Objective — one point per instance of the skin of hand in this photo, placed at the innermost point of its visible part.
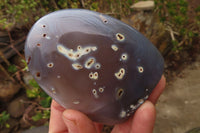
(72, 121)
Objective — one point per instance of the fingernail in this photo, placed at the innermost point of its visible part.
(70, 123)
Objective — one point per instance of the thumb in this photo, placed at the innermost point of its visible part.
(144, 118)
(77, 122)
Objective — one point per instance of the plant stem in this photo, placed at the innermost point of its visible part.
(4, 59)
(6, 73)
(13, 47)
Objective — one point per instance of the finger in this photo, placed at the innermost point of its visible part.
(157, 90)
(56, 124)
(123, 128)
(98, 126)
(144, 118)
(77, 122)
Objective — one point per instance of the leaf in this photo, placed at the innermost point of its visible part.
(46, 102)
(4, 116)
(7, 125)
(46, 114)
(197, 9)
(37, 117)
(43, 94)
(190, 34)
(33, 93)
(33, 83)
(12, 68)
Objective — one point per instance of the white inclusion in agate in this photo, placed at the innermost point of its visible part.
(97, 66)
(101, 89)
(94, 75)
(124, 57)
(120, 74)
(114, 47)
(76, 102)
(140, 69)
(89, 63)
(50, 65)
(77, 66)
(95, 93)
(53, 90)
(120, 37)
(122, 114)
(75, 55)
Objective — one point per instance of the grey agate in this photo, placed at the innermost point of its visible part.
(93, 63)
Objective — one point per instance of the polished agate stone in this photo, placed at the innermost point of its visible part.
(93, 63)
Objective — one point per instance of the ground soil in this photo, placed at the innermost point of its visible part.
(178, 108)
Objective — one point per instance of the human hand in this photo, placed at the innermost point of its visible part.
(72, 121)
